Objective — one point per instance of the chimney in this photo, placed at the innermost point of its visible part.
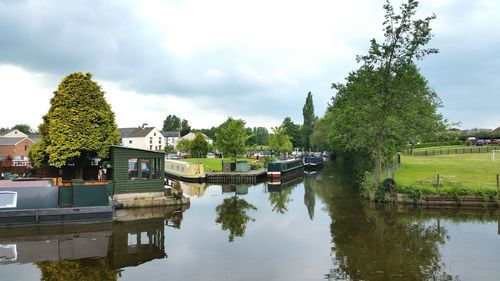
(144, 125)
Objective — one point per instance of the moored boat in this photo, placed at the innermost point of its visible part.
(185, 171)
(280, 168)
(313, 161)
(48, 201)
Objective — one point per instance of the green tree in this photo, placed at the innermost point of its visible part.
(169, 149)
(185, 128)
(251, 138)
(279, 141)
(261, 135)
(79, 125)
(199, 146)
(183, 145)
(280, 200)
(309, 119)
(231, 137)
(294, 131)
(319, 140)
(387, 101)
(171, 123)
(25, 128)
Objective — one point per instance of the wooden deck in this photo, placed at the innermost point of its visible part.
(235, 177)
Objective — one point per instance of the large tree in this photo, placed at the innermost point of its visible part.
(79, 125)
(387, 101)
(231, 137)
(309, 119)
(185, 128)
(171, 123)
(294, 132)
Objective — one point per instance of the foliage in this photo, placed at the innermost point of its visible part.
(185, 128)
(169, 149)
(387, 101)
(318, 140)
(280, 200)
(83, 269)
(232, 215)
(309, 119)
(171, 123)
(25, 128)
(294, 132)
(183, 145)
(199, 146)
(279, 141)
(231, 137)
(80, 124)
(261, 135)
(309, 197)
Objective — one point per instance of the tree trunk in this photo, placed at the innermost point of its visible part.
(80, 166)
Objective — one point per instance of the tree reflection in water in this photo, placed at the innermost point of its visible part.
(373, 242)
(90, 269)
(279, 200)
(232, 215)
(309, 197)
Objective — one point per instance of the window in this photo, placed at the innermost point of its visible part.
(154, 134)
(155, 165)
(145, 169)
(130, 141)
(26, 147)
(150, 147)
(8, 199)
(132, 168)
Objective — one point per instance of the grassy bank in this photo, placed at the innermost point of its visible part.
(214, 164)
(458, 173)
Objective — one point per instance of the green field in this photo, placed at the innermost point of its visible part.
(213, 164)
(465, 173)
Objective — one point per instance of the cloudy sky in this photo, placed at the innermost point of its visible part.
(255, 60)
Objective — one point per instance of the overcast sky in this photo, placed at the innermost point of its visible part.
(256, 60)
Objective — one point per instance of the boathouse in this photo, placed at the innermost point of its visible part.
(139, 178)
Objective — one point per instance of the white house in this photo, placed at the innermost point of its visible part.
(192, 135)
(15, 134)
(143, 137)
(172, 137)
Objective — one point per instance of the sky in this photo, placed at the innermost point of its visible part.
(256, 60)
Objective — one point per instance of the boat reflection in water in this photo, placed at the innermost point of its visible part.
(193, 189)
(91, 251)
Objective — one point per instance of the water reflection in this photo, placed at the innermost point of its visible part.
(373, 242)
(309, 196)
(280, 193)
(232, 213)
(94, 251)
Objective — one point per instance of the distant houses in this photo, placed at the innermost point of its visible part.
(191, 136)
(143, 137)
(15, 146)
(172, 137)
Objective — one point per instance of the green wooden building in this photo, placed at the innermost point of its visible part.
(137, 170)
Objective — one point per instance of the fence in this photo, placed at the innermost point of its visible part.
(462, 150)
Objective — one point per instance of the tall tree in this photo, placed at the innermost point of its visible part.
(279, 141)
(294, 131)
(79, 125)
(171, 123)
(183, 145)
(231, 136)
(261, 135)
(387, 101)
(199, 146)
(309, 119)
(185, 128)
(25, 128)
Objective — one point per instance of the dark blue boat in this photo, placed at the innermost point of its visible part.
(313, 161)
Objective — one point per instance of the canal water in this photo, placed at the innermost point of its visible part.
(312, 228)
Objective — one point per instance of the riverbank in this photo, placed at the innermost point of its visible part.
(445, 180)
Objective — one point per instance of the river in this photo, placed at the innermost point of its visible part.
(314, 228)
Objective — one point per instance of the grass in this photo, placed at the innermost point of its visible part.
(459, 174)
(214, 164)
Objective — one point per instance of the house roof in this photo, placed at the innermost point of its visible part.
(191, 136)
(138, 132)
(35, 137)
(496, 130)
(10, 141)
(171, 134)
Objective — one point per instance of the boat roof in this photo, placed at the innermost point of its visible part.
(30, 183)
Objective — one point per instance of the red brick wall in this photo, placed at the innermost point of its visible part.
(18, 150)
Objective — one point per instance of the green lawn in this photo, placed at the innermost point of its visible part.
(466, 173)
(213, 164)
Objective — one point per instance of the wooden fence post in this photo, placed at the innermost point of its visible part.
(498, 182)
(437, 181)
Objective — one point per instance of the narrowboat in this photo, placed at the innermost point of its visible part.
(313, 161)
(281, 168)
(54, 201)
(280, 185)
(185, 171)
